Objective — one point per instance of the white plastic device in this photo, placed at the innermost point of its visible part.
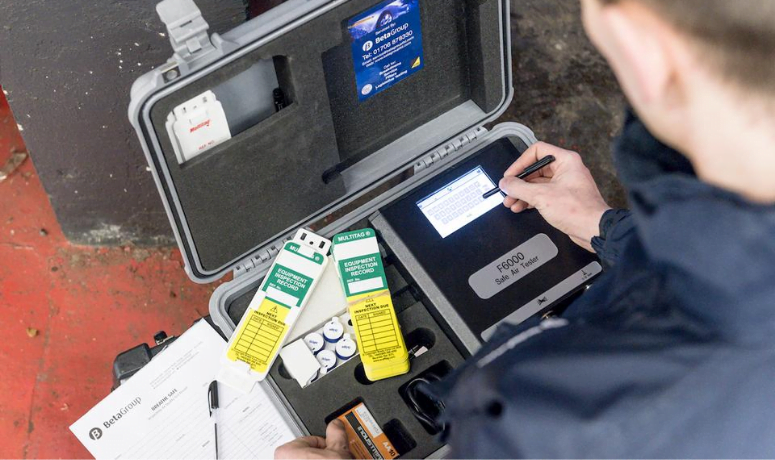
(197, 125)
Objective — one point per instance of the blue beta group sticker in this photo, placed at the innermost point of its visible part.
(386, 45)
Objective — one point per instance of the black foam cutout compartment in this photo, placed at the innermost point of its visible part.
(360, 375)
(401, 439)
(420, 338)
(325, 398)
(268, 178)
(433, 373)
(394, 429)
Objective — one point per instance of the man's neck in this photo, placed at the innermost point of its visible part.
(732, 146)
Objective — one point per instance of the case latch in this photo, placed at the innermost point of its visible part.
(187, 31)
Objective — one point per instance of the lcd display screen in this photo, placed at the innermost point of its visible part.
(460, 202)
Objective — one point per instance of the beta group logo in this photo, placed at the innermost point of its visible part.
(95, 433)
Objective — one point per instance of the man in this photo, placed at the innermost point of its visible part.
(672, 352)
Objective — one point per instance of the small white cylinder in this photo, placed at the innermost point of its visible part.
(333, 330)
(346, 348)
(327, 360)
(315, 342)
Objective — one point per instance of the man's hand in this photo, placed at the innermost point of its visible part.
(564, 193)
(334, 445)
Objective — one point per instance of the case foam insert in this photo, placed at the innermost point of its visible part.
(268, 178)
(317, 402)
(382, 398)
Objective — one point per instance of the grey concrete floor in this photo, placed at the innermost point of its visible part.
(564, 89)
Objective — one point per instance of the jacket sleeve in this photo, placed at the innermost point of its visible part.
(617, 226)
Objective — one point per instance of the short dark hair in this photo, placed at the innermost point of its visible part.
(737, 36)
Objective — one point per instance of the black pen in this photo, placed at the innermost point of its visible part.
(538, 165)
(212, 401)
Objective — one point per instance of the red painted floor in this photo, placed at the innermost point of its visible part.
(67, 311)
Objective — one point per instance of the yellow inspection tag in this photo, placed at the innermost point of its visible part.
(283, 293)
(260, 336)
(381, 344)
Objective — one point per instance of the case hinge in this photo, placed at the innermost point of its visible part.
(259, 259)
(448, 149)
(187, 31)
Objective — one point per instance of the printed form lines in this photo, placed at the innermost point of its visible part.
(259, 338)
(377, 331)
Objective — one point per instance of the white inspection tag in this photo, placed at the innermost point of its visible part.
(197, 125)
(264, 327)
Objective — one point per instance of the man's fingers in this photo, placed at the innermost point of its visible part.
(520, 190)
(316, 442)
(299, 448)
(519, 206)
(333, 446)
(336, 437)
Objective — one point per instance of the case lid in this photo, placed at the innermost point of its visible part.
(298, 113)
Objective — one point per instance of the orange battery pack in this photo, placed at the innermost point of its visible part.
(364, 435)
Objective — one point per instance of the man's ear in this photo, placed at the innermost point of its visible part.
(638, 49)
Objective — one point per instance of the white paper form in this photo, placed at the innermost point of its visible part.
(162, 412)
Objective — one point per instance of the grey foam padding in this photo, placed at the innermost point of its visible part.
(269, 177)
(382, 398)
(461, 48)
(249, 189)
(246, 108)
(486, 85)
(238, 305)
(333, 392)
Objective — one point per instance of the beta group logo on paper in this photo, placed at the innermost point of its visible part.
(386, 45)
(95, 433)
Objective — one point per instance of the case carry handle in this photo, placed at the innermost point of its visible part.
(187, 30)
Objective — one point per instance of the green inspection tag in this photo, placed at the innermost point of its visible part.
(273, 311)
(287, 286)
(362, 274)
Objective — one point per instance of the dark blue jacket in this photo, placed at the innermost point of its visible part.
(670, 354)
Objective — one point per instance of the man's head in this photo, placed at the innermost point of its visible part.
(687, 65)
